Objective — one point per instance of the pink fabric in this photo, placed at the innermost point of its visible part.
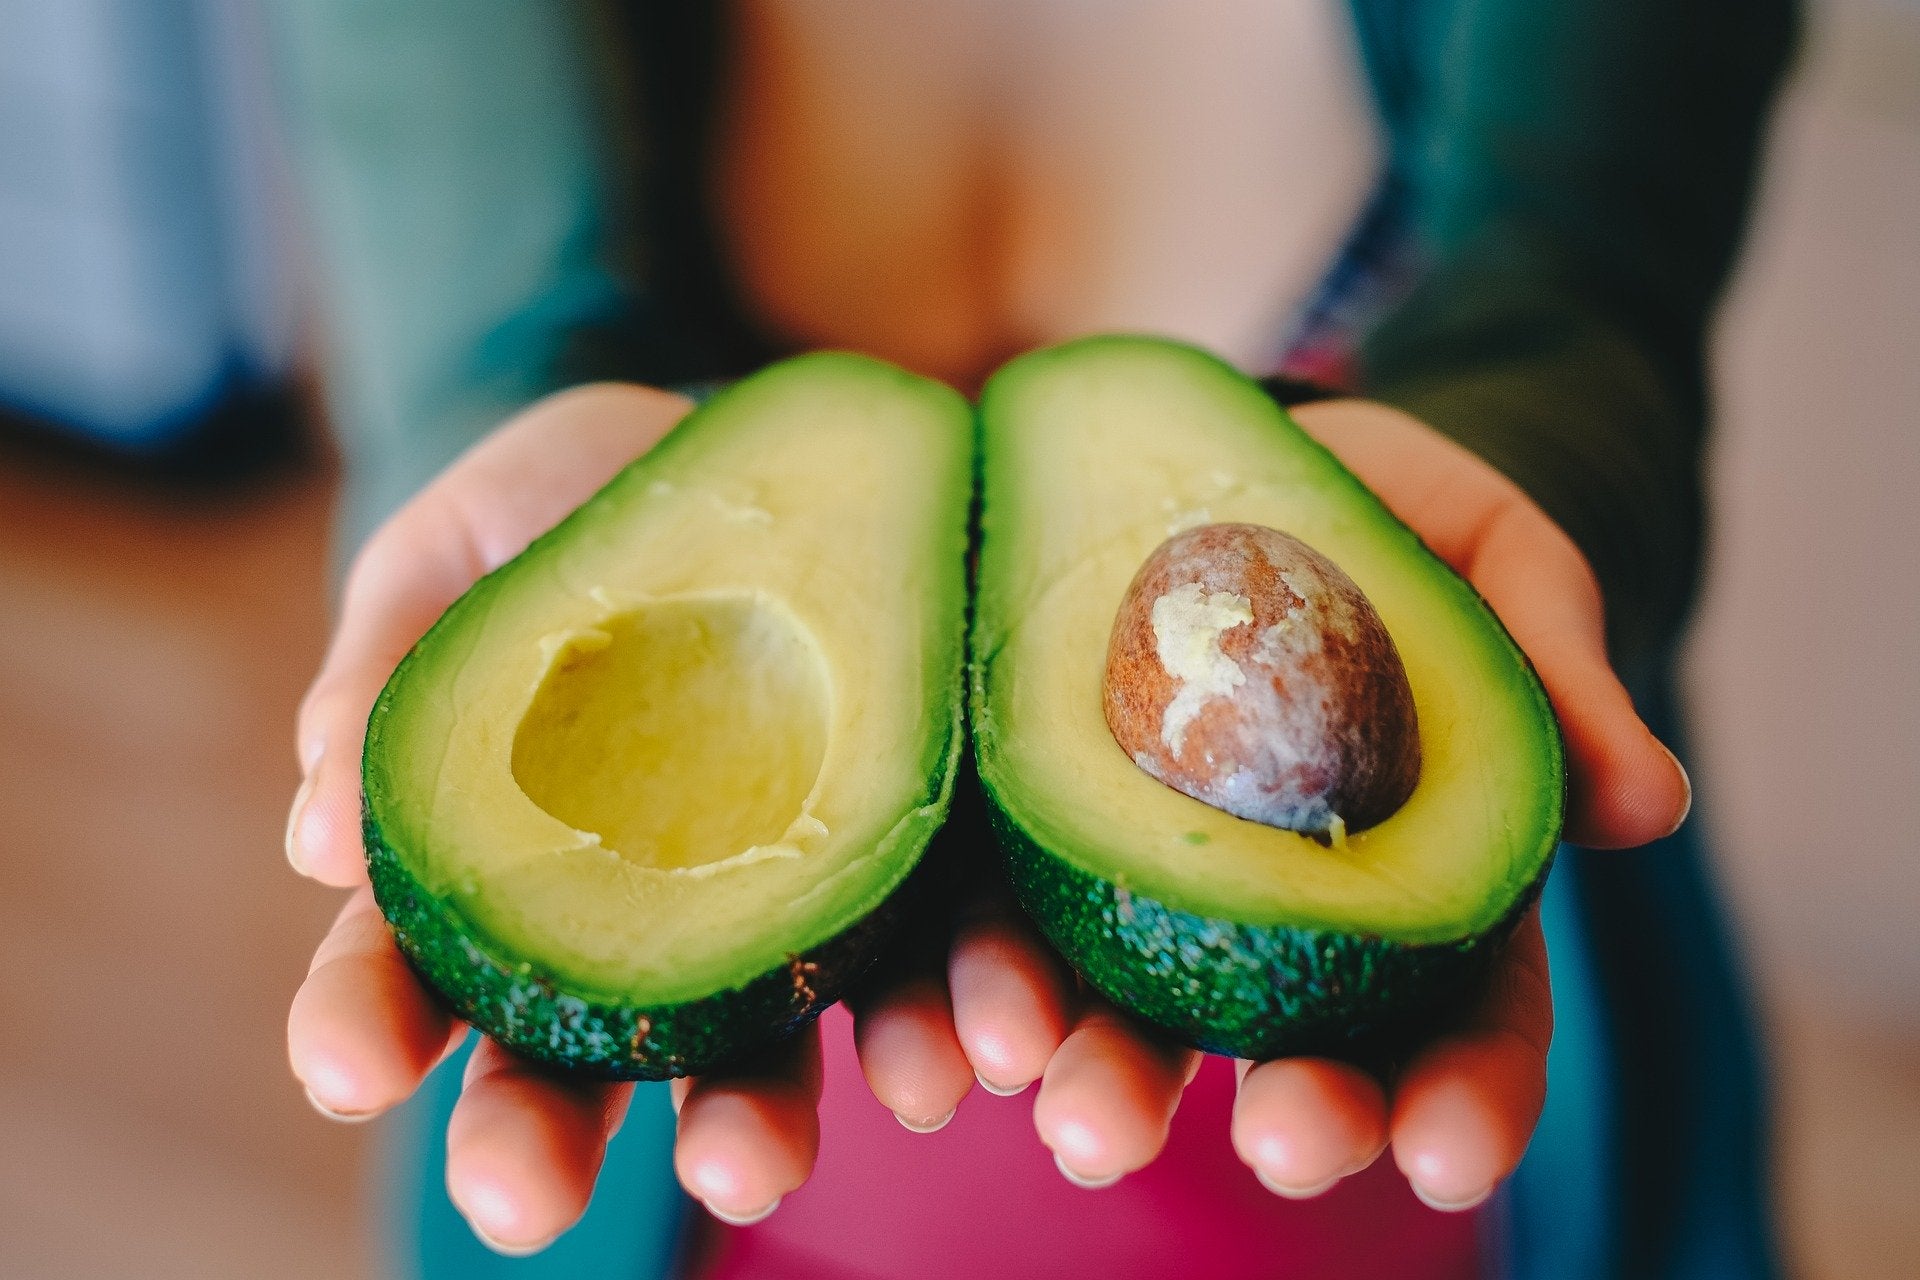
(982, 1200)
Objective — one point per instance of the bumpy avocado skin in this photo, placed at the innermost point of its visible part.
(509, 1000)
(1245, 990)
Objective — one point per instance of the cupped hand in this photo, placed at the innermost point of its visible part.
(524, 1147)
(1458, 1115)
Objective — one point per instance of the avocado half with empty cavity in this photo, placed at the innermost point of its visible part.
(1231, 935)
(642, 799)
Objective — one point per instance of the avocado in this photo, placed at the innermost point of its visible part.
(645, 797)
(1232, 935)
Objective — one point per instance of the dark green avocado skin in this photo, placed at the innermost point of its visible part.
(513, 1003)
(1243, 990)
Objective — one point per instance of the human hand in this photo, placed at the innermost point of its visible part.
(1459, 1113)
(524, 1146)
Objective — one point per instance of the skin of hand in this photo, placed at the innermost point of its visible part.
(524, 1148)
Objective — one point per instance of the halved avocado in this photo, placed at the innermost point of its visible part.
(641, 799)
(1232, 936)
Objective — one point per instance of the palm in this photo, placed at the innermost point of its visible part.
(524, 1148)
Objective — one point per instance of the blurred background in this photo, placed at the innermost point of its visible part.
(165, 503)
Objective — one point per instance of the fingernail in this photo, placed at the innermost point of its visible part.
(744, 1219)
(506, 1250)
(1293, 1192)
(300, 798)
(934, 1125)
(1081, 1179)
(620, 1105)
(341, 1117)
(1448, 1206)
(1686, 806)
(456, 1038)
(999, 1091)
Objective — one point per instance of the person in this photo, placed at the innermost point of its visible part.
(1519, 286)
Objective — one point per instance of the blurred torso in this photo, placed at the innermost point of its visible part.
(943, 182)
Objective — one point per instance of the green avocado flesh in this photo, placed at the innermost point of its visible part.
(1233, 936)
(640, 800)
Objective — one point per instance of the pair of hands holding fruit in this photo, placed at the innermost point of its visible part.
(524, 1146)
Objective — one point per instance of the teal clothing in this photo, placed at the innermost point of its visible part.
(1578, 172)
(505, 198)
(1575, 174)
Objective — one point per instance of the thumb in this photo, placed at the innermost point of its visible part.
(1624, 788)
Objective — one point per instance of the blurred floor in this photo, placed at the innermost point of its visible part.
(1848, 1097)
(1804, 671)
(150, 930)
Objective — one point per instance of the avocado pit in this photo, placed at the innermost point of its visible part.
(1248, 671)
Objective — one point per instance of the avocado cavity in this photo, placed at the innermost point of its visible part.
(635, 734)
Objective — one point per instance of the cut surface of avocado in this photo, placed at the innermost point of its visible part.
(1232, 934)
(636, 802)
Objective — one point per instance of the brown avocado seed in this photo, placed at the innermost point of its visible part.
(1248, 671)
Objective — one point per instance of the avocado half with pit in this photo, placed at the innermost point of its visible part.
(1233, 936)
(642, 799)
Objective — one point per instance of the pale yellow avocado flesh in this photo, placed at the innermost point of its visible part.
(709, 707)
(1097, 452)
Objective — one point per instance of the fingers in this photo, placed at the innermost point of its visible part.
(1012, 998)
(402, 580)
(362, 1032)
(479, 513)
(323, 838)
(1464, 1109)
(910, 1054)
(524, 1148)
(1108, 1097)
(749, 1135)
(1302, 1124)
